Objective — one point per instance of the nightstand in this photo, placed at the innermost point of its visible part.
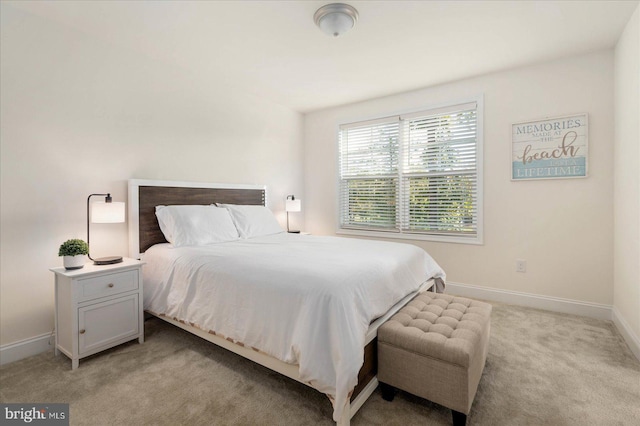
(97, 307)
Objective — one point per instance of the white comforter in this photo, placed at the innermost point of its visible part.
(305, 300)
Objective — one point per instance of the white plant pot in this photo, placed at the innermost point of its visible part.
(74, 262)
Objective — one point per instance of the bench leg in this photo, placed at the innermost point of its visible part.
(459, 419)
(388, 392)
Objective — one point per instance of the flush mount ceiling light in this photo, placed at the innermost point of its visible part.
(336, 18)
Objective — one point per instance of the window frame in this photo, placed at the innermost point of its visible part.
(478, 239)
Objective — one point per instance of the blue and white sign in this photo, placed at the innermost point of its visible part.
(550, 149)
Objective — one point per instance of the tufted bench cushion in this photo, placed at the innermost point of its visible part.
(435, 347)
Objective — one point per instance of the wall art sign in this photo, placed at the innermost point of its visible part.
(550, 149)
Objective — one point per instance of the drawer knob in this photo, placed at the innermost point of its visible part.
(83, 331)
(110, 285)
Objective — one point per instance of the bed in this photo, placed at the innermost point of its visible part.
(307, 307)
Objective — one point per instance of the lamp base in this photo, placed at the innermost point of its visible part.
(107, 260)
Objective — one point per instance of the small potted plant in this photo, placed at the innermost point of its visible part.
(74, 252)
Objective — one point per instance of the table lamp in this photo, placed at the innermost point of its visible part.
(105, 211)
(292, 205)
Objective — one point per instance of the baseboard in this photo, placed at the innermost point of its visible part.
(555, 304)
(25, 348)
(627, 333)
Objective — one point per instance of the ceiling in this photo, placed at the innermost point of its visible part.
(273, 49)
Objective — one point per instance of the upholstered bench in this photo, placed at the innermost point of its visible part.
(435, 347)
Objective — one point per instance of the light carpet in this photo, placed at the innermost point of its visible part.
(543, 368)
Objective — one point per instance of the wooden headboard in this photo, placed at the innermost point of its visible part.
(145, 195)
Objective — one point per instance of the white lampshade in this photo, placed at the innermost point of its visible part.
(293, 205)
(102, 212)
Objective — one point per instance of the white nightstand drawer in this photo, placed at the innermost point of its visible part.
(107, 285)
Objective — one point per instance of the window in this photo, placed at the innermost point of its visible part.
(414, 176)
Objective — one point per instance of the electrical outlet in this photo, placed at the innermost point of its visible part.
(521, 265)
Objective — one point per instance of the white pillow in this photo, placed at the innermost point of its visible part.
(195, 225)
(253, 221)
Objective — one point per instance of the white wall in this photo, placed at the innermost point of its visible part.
(626, 290)
(80, 116)
(562, 228)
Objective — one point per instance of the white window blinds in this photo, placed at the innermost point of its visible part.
(369, 161)
(415, 174)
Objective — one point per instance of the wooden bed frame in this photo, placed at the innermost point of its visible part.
(144, 232)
